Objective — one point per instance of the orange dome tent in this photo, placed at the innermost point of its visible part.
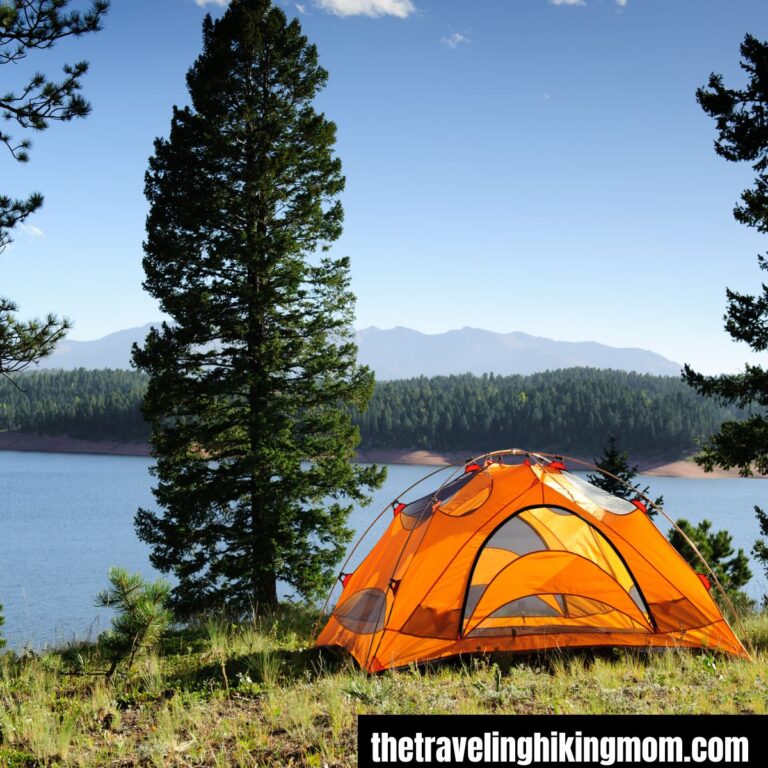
(520, 557)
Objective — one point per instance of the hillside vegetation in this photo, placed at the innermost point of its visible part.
(572, 410)
(93, 404)
(258, 694)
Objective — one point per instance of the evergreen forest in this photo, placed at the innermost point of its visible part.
(87, 404)
(569, 410)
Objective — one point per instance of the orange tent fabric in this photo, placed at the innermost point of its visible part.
(520, 558)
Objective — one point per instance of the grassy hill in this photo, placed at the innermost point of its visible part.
(258, 694)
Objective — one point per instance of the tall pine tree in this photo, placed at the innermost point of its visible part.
(740, 117)
(742, 128)
(253, 385)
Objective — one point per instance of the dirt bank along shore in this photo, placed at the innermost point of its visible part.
(657, 468)
(25, 441)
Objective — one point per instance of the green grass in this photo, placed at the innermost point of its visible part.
(250, 694)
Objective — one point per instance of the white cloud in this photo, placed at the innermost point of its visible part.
(400, 8)
(455, 40)
(31, 230)
(620, 3)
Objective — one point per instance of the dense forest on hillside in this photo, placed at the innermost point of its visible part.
(571, 410)
(100, 404)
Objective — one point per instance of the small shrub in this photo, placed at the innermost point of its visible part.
(142, 616)
(716, 547)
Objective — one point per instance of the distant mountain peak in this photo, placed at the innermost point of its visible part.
(401, 352)
(478, 351)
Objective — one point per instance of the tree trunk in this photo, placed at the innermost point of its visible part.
(263, 535)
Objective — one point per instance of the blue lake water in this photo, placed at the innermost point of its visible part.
(66, 518)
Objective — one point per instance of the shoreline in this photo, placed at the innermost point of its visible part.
(683, 467)
(680, 466)
(30, 442)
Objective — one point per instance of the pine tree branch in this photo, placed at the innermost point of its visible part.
(37, 25)
(27, 25)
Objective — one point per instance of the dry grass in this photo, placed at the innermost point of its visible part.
(256, 694)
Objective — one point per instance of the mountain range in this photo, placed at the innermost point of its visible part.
(400, 353)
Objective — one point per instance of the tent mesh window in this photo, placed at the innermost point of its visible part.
(584, 493)
(364, 612)
(458, 498)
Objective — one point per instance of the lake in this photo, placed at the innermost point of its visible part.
(66, 518)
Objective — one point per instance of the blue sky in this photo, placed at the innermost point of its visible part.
(516, 165)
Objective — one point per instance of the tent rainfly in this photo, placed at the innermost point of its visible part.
(520, 557)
